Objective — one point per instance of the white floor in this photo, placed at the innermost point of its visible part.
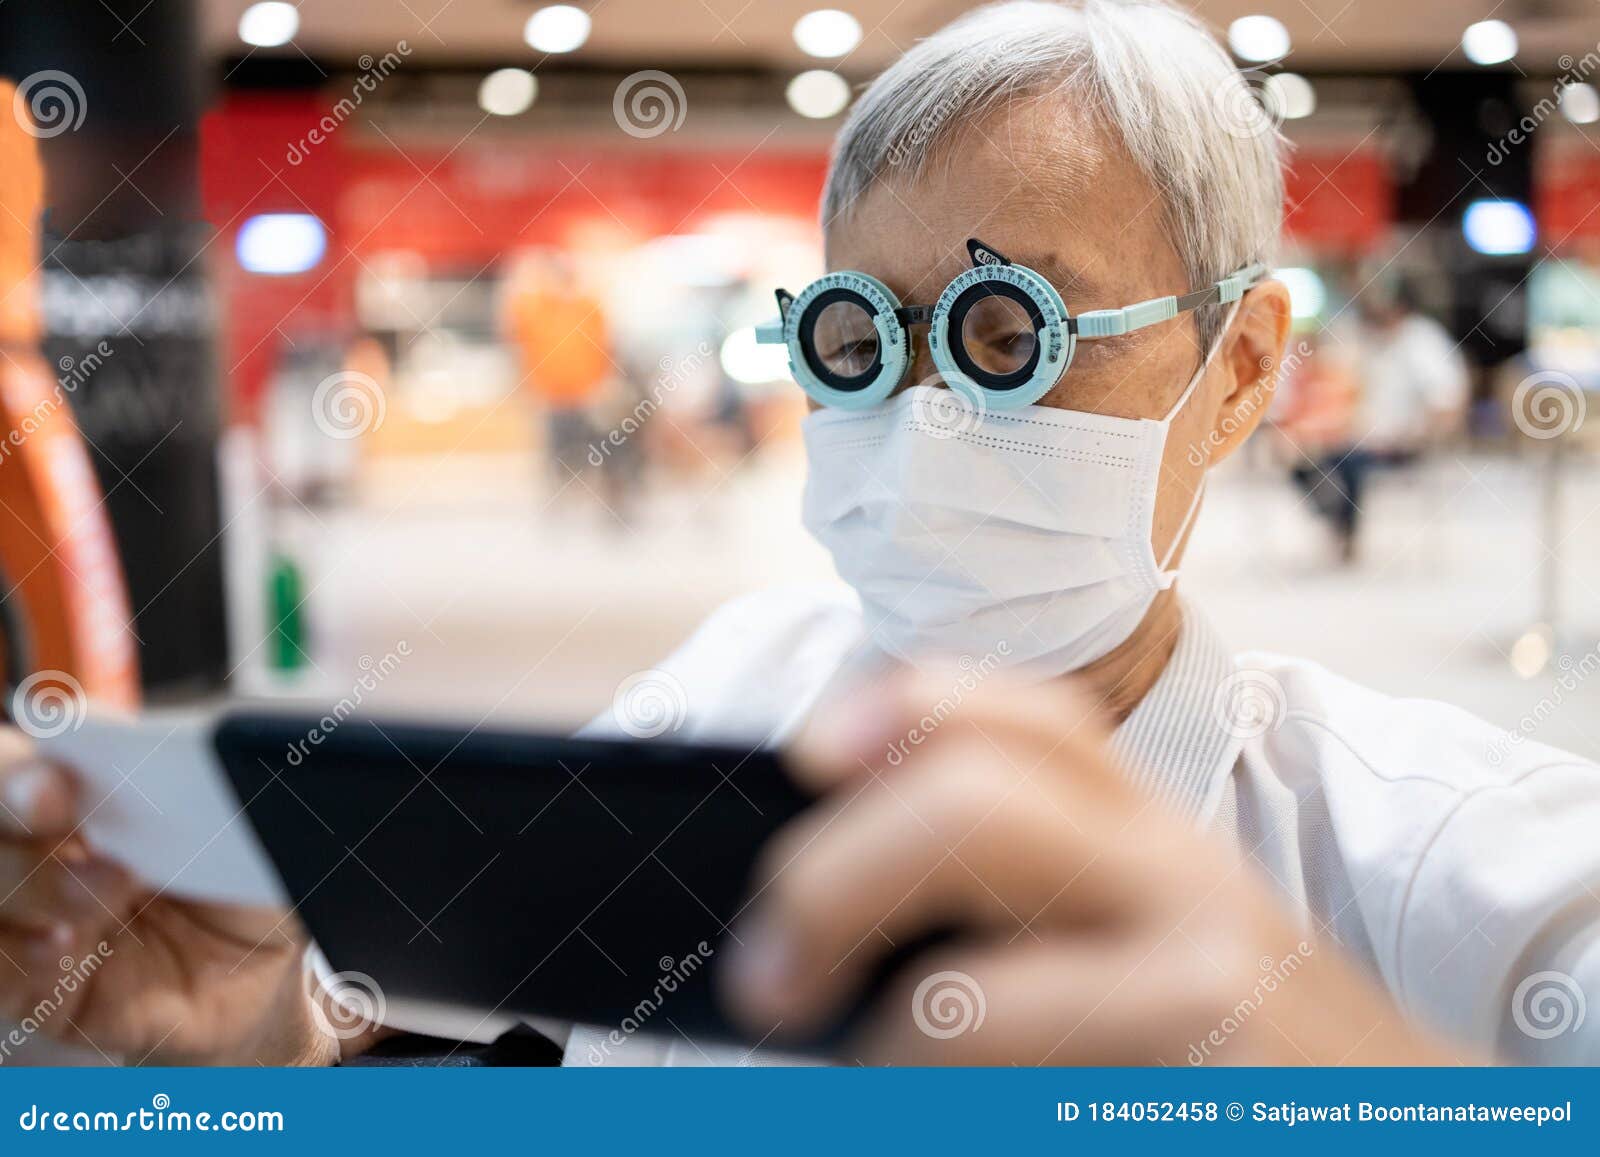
(522, 609)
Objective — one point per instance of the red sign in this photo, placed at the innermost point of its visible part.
(464, 207)
(1567, 200)
(1338, 200)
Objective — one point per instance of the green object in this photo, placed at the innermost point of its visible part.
(1563, 295)
(286, 632)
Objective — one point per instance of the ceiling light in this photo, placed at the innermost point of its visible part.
(1258, 38)
(269, 25)
(818, 94)
(1289, 95)
(1489, 42)
(558, 28)
(280, 243)
(1580, 103)
(1498, 227)
(507, 92)
(827, 33)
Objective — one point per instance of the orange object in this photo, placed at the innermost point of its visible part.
(561, 336)
(21, 194)
(63, 589)
(1323, 393)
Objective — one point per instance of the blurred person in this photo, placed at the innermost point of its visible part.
(562, 341)
(1414, 378)
(1414, 389)
(730, 402)
(1126, 824)
(621, 445)
(1318, 416)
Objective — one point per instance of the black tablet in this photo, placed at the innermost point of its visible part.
(510, 873)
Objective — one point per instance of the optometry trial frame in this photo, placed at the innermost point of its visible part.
(849, 336)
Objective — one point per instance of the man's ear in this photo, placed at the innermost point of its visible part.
(1252, 350)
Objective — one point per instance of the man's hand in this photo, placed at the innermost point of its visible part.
(90, 957)
(1095, 927)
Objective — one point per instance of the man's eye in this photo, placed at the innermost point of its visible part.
(1018, 344)
(851, 357)
(1001, 351)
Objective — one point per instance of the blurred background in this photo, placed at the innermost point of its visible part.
(408, 349)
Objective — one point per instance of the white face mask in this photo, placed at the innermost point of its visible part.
(1021, 536)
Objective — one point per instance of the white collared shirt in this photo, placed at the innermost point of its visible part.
(1458, 863)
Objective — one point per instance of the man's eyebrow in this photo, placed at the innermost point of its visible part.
(1067, 279)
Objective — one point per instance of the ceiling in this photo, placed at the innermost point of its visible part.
(727, 33)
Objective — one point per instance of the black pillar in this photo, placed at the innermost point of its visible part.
(116, 92)
(1475, 153)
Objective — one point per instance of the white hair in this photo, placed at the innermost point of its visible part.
(1152, 74)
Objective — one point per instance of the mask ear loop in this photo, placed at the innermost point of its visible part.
(1168, 577)
(1205, 365)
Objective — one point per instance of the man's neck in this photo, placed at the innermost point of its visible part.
(1123, 678)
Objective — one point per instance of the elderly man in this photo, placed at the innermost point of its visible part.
(1151, 851)
(1387, 853)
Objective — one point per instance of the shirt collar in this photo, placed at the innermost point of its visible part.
(1176, 743)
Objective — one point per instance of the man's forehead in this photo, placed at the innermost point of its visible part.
(1038, 181)
(917, 255)
(1045, 145)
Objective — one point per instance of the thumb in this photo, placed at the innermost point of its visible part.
(851, 731)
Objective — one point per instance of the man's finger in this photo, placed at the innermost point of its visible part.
(848, 733)
(887, 723)
(38, 800)
(1065, 1001)
(37, 889)
(957, 843)
(33, 964)
(1076, 1000)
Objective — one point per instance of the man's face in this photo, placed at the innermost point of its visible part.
(1044, 186)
